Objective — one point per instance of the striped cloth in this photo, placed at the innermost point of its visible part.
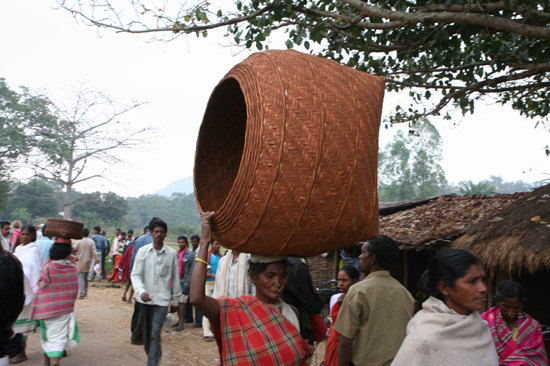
(58, 289)
(24, 323)
(252, 333)
(528, 347)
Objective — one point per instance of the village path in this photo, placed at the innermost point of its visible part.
(104, 326)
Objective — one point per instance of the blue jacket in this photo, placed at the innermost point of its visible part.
(101, 243)
(138, 243)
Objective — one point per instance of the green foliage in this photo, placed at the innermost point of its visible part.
(469, 188)
(22, 214)
(408, 167)
(179, 210)
(510, 187)
(36, 197)
(177, 230)
(5, 192)
(97, 207)
(21, 116)
(449, 53)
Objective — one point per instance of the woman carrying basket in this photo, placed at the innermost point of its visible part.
(261, 330)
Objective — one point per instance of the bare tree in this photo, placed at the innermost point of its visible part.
(88, 128)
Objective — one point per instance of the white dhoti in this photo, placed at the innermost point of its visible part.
(58, 334)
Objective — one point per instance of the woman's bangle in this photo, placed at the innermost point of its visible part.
(201, 260)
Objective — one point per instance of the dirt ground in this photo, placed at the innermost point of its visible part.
(104, 325)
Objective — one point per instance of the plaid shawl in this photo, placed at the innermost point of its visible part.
(58, 289)
(251, 333)
(528, 349)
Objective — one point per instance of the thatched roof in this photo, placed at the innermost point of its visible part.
(441, 220)
(515, 239)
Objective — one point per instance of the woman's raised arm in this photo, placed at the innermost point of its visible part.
(207, 305)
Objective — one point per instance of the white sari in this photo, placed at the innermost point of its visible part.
(437, 335)
(30, 256)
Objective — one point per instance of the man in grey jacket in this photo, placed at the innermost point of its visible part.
(186, 262)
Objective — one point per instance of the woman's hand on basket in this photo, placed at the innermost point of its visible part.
(205, 227)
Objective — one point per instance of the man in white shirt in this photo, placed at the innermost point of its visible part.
(155, 278)
(5, 227)
(232, 279)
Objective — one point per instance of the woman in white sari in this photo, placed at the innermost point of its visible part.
(30, 255)
(449, 330)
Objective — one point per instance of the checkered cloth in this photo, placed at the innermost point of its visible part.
(252, 333)
(58, 289)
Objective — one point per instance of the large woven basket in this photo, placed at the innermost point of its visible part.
(64, 229)
(287, 155)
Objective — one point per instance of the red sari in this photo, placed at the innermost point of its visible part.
(252, 333)
(526, 349)
(332, 339)
(125, 264)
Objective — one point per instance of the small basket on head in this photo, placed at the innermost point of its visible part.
(65, 229)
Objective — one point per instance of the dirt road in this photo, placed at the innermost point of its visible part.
(104, 326)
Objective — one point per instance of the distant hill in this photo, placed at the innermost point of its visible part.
(183, 185)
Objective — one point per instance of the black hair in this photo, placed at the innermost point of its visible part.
(98, 229)
(60, 251)
(85, 232)
(195, 237)
(31, 229)
(184, 237)
(385, 249)
(118, 230)
(447, 266)
(255, 269)
(12, 293)
(351, 271)
(156, 222)
(130, 231)
(123, 233)
(145, 229)
(4, 223)
(44, 229)
(508, 289)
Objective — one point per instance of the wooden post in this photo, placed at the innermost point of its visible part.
(335, 264)
(405, 269)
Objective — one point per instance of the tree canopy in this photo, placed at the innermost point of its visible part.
(409, 166)
(445, 53)
(100, 207)
(36, 197)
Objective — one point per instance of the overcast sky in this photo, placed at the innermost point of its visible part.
(46, 49)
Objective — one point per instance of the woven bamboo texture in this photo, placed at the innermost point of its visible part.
(287, 155)
(64, 229)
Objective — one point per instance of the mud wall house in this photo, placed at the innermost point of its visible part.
(514, 243)
(423, 228)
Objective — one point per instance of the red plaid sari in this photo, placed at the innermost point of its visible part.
(527, 349)
(251, 333)
(58, 289)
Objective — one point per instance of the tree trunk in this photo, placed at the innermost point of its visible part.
(69, 185)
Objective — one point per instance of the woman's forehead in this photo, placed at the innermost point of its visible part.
(276, 267)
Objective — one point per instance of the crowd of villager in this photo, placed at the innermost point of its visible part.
(261, 310)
